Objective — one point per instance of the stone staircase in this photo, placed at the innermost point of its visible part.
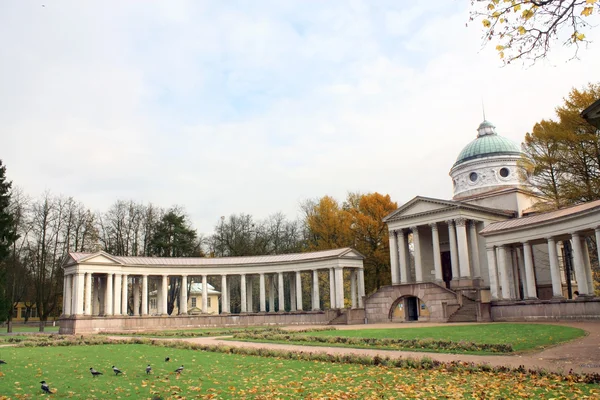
(341, 319)
(466, 313)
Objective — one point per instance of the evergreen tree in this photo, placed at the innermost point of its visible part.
(7, 238)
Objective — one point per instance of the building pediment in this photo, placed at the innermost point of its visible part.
(91, 258)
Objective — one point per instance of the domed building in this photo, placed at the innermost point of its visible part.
(483, 255)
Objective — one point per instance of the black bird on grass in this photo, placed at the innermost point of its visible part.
(178, 370)
(116, 370)
(148, 369)
(45, 387)
(167, 359)
(94, 372)
(2, 362)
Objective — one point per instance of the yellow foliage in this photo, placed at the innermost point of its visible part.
(486, 23)
(587, 11)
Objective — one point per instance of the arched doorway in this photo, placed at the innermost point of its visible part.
(406, 308)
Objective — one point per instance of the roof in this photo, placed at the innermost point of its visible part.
(205, 261)
(540, 218)
(487, 143)
(397, 215)
(592, 114)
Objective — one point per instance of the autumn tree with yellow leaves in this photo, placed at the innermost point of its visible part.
(528, 29)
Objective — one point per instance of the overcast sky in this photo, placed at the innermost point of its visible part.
(225, 107)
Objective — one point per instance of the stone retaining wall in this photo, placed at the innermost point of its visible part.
(88, 324)
(544, 310)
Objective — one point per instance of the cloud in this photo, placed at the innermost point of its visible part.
(236, 107)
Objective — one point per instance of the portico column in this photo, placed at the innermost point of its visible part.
(587, 266)
(417, 254)
(88, 294)
(298, 291)
(68, 301)
(463, 248)
(332, 302)
(339, 287)
(261, 284)
(204, 294)
(361, 287)
(280, 292)
(403, 260)
(353, 288)
(554, 269)
(529, 271)
(124, 294)
(117, 298)
(144, 294)
(503, 272)
(164, 288)
(580, 274)
(183, 296)
(243, 299)
(474, 240)
(108, 298)
(493, 271)
(316, 301)
(135, 283)
(453, 249)
(249, 294)
(224, 294)
(292, 284)
(597, 231)
(79, 290)
(394, 257)
(437, 255)
(271, 290)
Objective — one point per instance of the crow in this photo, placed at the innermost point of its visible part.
(45, 387)
(178, 370)
(2, 362)
(116, 370)
(94, 372)
(167, 359)
(148, 369)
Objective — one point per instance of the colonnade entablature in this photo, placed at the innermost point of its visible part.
(102, 284)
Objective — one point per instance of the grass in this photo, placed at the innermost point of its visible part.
(220, 375)
(185, 333)
(30, 329)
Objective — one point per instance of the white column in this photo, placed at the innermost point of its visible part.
(332, 301)
(453, 249)
(135, 283)
(519, 261)
(554, 269)
(474, 240)
(437, 255)
(117, 297)
(243, 299)
(224, 294)
(280, 292)
(403, 256)
(597, 230)
(493, 271)
(361, 287)
(298, 291)
(271, 285)
(587, 266)
(292, 283)
(124, 295)
(88, 294)
(68, 300)
(529, 271)
(144, 294)
(394, 257)
(164, 287)
(261, 284)
(580, 274)
(183, 296)
(108, 297)
(353, 288)
(79, 290)
(204, 294)
(96, 291)
(503, 272)
(316, 301)
(417, 254)
(339, 287)
(463, 248)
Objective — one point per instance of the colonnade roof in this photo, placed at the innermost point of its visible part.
(347, 253)
(405, 211)
(543, 218)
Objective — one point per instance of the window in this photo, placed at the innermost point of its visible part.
(152, 303)
(504, 172)
(23, 312)
(34, 313)
(209, 302)
(473, 176)
(193, 302)
(15, 313)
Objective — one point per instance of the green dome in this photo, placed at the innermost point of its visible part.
(488, 143)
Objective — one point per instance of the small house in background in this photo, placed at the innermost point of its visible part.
(194, 303)
(592, 114)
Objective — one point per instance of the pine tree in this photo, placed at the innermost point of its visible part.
(7, 237)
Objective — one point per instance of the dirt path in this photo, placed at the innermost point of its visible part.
(581, 355)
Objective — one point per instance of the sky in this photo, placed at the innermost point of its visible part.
(227, 107)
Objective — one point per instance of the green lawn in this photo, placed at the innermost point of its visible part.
(197, 332)
(30, 328)
(522, 336)
(220, 375)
